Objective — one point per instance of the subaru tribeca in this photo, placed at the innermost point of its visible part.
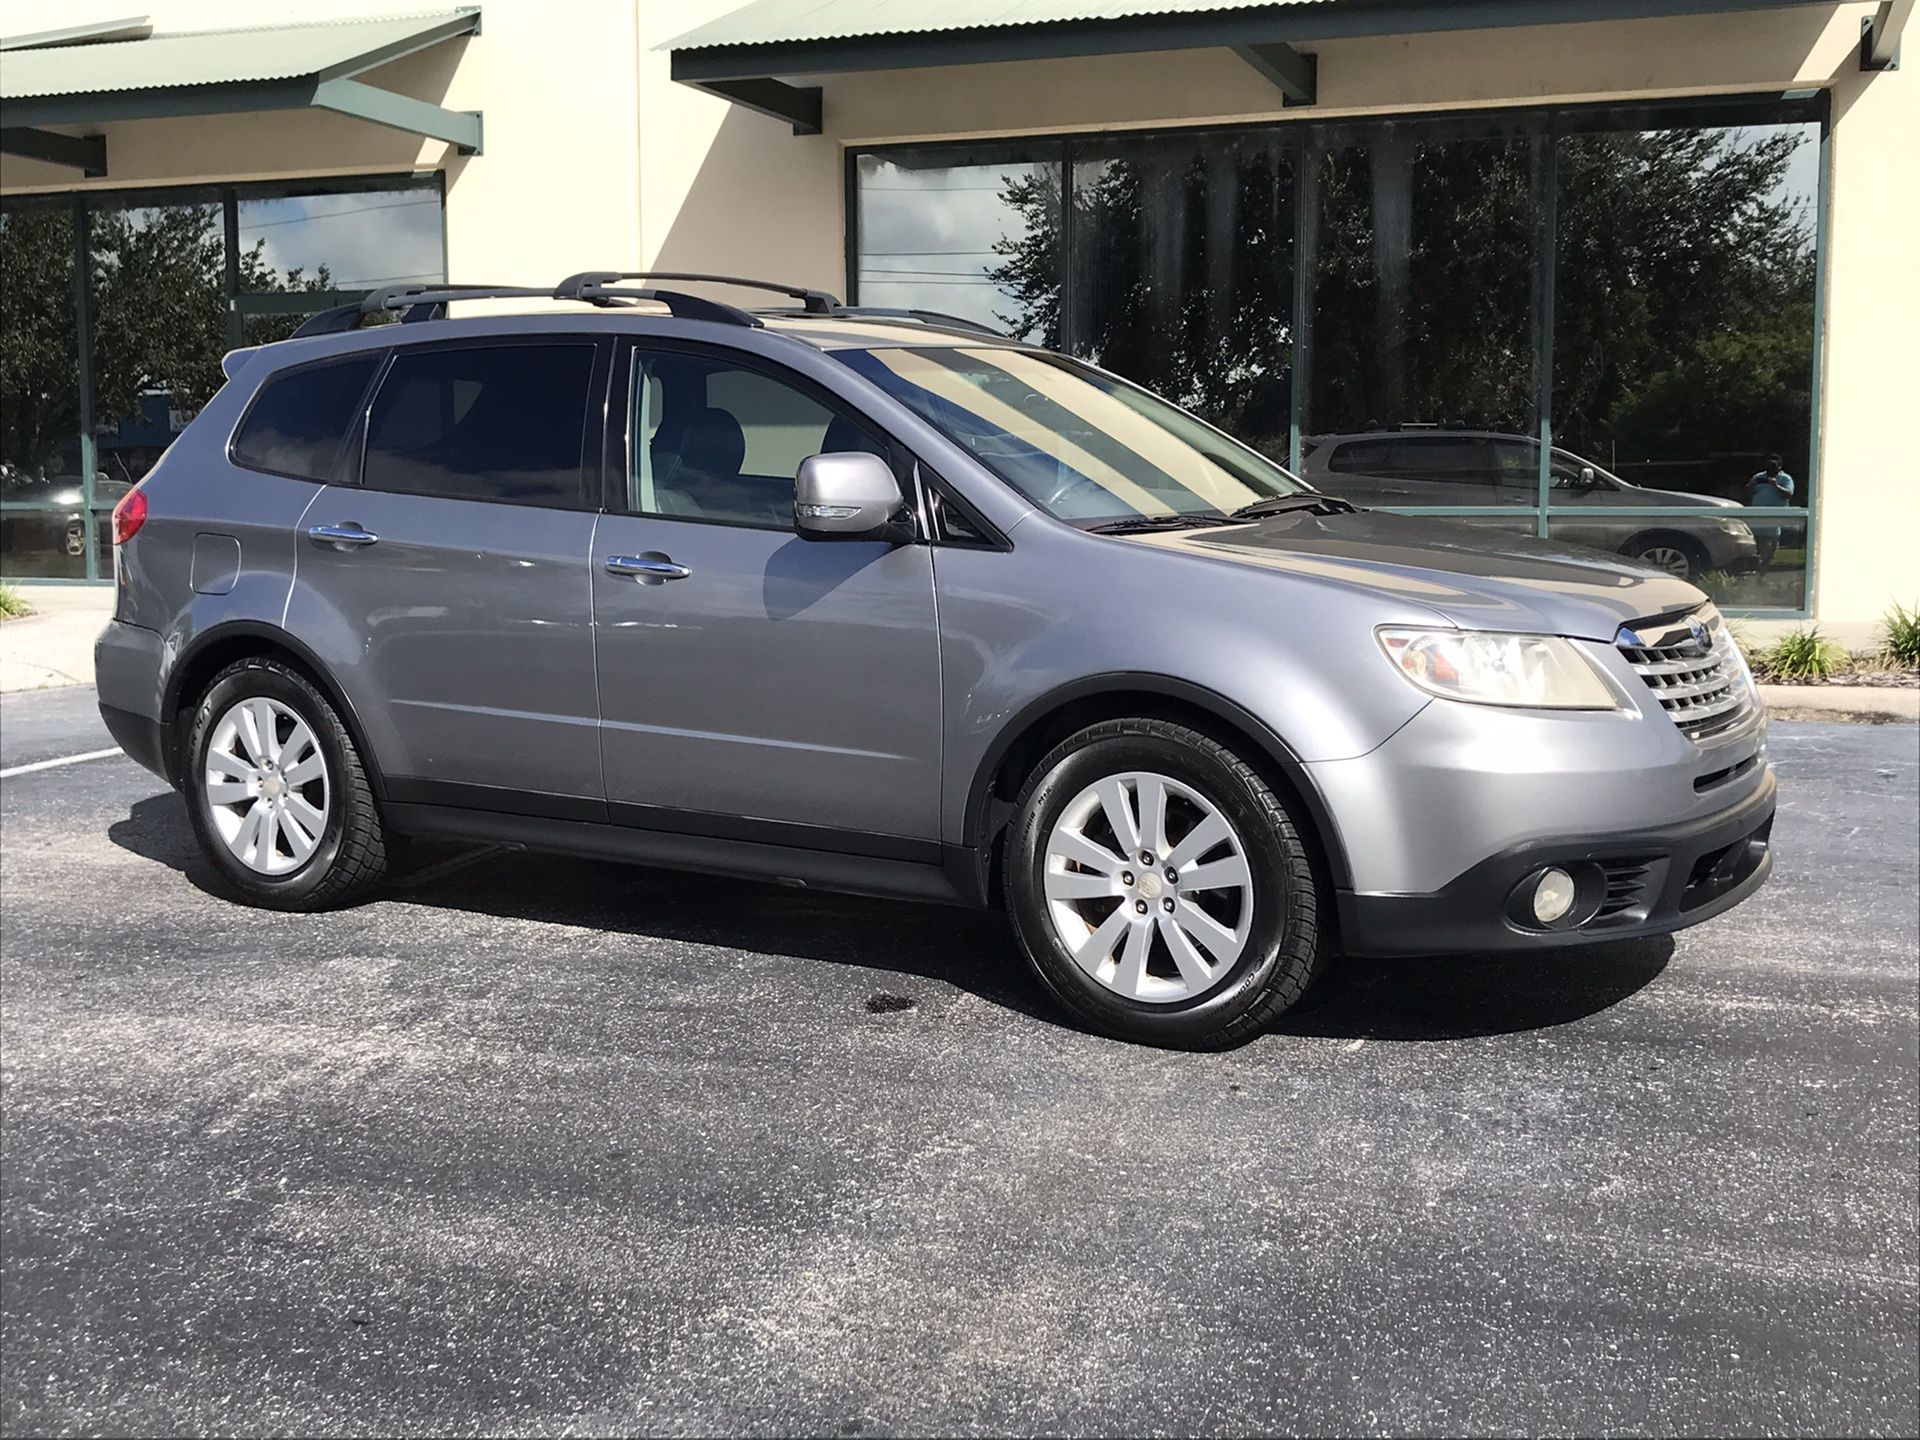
(883, 602)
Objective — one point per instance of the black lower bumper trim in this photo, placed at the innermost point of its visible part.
(143, 739)
(1659, 880)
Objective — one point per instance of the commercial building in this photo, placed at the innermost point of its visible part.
(1572, 267)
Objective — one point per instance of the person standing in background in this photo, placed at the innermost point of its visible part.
(1768, 488)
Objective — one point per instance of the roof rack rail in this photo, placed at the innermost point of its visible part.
(679, 305)
(429, 302)
(927, 317)
(574, 287)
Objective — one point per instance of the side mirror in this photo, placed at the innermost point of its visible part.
(1587, 476)
(849, 495)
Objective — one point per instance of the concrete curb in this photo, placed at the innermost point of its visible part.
(1859, 704)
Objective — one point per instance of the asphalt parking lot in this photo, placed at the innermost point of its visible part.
(539, 1144)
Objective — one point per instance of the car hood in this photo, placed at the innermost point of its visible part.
(1476, 578)
(1640, 495)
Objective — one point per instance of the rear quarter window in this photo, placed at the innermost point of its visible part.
(297, 422)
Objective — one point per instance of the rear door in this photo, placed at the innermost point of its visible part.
(448, 590)
(773, 689)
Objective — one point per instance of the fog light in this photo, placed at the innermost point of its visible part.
(1552, 896)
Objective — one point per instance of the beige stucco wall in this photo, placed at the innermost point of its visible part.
(594, 158)
(1869, 509)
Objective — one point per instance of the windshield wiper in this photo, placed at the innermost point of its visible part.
(1136, 524)
(1288, 504)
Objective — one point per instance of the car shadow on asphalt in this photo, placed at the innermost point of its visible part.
(1425, 999)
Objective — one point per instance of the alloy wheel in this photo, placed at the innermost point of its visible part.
(1670, 559)
(266, 785)
(1148, 887)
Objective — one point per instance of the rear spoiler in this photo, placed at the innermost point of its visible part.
(234, 361)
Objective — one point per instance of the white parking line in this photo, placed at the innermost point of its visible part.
(14, 770)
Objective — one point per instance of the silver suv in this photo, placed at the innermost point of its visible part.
(1431, 465)
(885, 603)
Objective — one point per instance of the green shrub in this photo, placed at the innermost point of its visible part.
(1903, 638)
(11, 605)
(1803, 655)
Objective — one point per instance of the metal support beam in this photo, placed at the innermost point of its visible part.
(460, 128)
(85, 153)
(1291, 73)
(799, 106)
(349, 97)
(1880, 35)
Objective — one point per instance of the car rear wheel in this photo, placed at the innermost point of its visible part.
(277, 793)
(1160, 888)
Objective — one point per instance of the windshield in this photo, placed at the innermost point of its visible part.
(1083, 446)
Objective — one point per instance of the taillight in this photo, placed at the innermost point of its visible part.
(129, 515)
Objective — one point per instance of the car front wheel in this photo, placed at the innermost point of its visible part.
(277, 792)
(1160, 887)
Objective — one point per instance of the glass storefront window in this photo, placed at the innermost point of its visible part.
(1683, 309)
(42, 488)
(1181, 266)
(1414, 304)
(165, 301)
(967, 231)
(159, 318)
(1743, 559)
(359, 240)
(1423, 314)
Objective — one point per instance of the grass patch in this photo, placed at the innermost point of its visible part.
(1902, 647)
(1802, 655)
(12, 607)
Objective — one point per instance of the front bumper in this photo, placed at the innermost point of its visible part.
(1655, 881)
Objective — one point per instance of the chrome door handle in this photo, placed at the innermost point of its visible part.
(341, 535)
(650, 569)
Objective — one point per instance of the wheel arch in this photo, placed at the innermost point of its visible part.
(1042, 724)
(214, 650)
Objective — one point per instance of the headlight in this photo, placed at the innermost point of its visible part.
(1486, 667)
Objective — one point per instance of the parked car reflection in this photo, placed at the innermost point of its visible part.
(58, 523)
(1433, 466)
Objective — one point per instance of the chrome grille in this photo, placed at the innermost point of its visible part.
(1693, 669)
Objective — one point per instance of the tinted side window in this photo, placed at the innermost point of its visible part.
(713, 441)
(1360, 456)
(298, 420)
(505, 423)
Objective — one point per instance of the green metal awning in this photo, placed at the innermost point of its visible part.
(750, 55)
(91, 76)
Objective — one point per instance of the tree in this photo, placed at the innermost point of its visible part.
(1683, 307)
(158, 310)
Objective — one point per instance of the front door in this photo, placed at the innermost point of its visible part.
(755, 685)
(449, 591)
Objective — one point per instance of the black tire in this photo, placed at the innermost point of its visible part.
(1285, 945)
(352, 855)
(1641, 546)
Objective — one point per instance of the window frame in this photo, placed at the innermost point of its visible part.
(591, 457)
(1546, 125)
